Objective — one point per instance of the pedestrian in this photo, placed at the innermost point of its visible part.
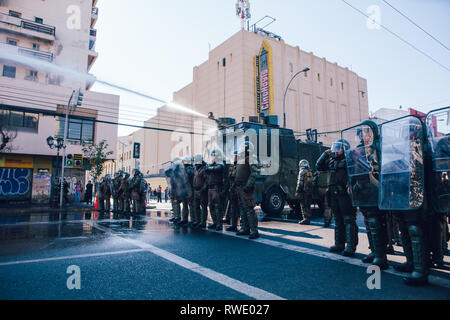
(166, 194)
(66, 191)
(159, 192)
(149, 193)
(78, 191)
(88, 193)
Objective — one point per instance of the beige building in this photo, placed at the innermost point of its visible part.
(33, 100)
(231, 84)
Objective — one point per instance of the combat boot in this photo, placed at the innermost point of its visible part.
(219, 227)
(408, 265)
(327, 223)
(243, 232)
(419, 276)
(378, 242)
(231, 228)
(305, 222)
(254, 235)
(351, 235)
(212, 226)
(371, 256)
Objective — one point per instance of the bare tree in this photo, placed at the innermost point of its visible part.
(7, 135)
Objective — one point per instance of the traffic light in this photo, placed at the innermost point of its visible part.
(136, 150)
(69, 160)
(79, 95)
(78, 160)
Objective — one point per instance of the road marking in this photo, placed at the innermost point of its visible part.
(223, 279)
(27, 223)
(79, 256)
(442, 282)
(438, 281)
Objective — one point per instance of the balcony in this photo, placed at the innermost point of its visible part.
(94, 17)
(42, 55)
(27, 27)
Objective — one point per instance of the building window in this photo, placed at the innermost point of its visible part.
(33, 76)
(318, 77)
(38, 20)
(291, 67)
(9, 71)
(36, 46)
(15, 14)
(362, 94)
(19, 119)
(342, 86)
(306, 74)
(78, 129)
(331, 82)
(12, 42)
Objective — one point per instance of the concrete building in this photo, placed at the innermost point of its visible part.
(248, 74)
(33, 101)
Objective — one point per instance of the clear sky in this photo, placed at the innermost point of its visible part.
(152, 46)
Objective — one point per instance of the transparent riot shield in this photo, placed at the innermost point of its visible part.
(362, 164)
(402, 167)
(438, 125)
(183, 189)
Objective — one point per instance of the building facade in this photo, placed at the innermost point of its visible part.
(33, 100)
(248, 74)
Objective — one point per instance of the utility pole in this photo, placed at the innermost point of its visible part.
(78, 102)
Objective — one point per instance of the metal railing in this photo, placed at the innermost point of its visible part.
(48, 56)
(34, 26)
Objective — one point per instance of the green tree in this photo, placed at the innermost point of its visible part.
(97, 155)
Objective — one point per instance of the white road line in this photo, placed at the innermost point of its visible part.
(79, 256)
(442, 282)
(224, 280)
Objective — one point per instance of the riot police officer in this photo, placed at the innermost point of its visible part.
(117, 181)
(214, 180)
(107, 190)
(362, 160)
(134, 187)
(125, 193)
(233, 195)
(200, 193)
(246, 173)
(402, 190)
(188, 202)
(346, 230)
(303, 191)
(173, 190)
(142, 194)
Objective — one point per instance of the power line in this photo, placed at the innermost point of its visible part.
(49, 113)
(410, 20)
(397, 36)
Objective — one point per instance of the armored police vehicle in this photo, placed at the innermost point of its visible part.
(278, 152)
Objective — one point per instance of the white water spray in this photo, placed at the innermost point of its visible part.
(9, 54)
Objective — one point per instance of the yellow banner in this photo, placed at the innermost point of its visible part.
(23, 162)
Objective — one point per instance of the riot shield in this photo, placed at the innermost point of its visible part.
(362, 164)
(402, 166)
(438, 125)
(177, 180)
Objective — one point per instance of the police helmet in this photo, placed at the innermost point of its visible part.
(187, 160)
(304, 164)
(340, 145)
(198, 159)
(216, 156)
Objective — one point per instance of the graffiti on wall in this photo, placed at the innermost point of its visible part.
(15, 184)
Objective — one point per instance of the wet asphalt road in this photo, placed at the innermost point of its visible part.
(145, 258)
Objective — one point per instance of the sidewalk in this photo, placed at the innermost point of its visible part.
(43, 208)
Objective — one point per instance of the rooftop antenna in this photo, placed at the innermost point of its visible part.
(243, 12)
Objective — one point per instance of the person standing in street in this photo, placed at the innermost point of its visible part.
(78, 191)
(346, 230)
(88, 192)
(303, 192)
(245, 179)
(214, 180)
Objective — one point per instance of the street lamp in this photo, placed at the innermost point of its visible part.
(285, 93)
(58, 145)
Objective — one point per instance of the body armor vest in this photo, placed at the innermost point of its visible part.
(242, 173)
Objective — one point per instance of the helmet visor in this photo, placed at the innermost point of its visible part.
(337, 146)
